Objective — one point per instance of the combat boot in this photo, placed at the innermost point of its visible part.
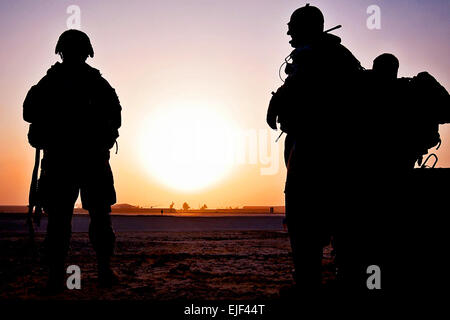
(56, 277)
(106, 276)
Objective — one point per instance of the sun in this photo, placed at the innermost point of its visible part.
(187, 146)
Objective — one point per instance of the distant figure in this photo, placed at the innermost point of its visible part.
(75, 115)
(313, 108)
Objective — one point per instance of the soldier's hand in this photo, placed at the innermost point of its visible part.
(272, 112)
(272, 121)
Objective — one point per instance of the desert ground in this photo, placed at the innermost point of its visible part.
(161, 266)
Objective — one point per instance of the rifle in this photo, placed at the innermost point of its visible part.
(33, 198)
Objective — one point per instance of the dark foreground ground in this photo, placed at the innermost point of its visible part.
(162, 266)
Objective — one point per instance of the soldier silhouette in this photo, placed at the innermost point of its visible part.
(313, 108)
(75, 115)
(401, 124)
(378, 145)
(379, 92)
(403, 114)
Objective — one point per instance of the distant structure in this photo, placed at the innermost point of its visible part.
(186, 207)
(128, 208)
(265, 209)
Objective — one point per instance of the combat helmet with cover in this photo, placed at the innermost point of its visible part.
(307, 20)
(74, 42)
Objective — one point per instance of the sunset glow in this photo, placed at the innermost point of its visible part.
(187, 146)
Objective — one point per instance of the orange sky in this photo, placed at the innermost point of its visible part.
(163, 56)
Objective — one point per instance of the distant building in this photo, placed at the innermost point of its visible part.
(265, 209)
(128, 208)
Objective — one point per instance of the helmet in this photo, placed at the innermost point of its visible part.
(307, 17)
(74, 41)
(386, 65)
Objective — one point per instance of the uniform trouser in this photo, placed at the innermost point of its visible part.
(318, 207)
(389, 220)
(366, 232)
(308, 234)
(63, 179)
(59, 230)
(305, 233)
(358, 246)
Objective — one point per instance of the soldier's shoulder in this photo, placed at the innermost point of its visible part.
(425, 79)
(102, 85)
(335, 48)
(347, 57)
(424, 75)
(51, 74)
(425, 82)
(97, 77)
(94, 73)
(403, 80)
(55, 69)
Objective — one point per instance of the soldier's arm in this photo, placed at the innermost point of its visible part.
(33, 103)
(34, 113)
(115, 110)
(272, 112)
(112, 113)
(117, 118)
(28, 110)
(111, 104)
(276, 105)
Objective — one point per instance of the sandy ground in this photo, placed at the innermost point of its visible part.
(227, 265)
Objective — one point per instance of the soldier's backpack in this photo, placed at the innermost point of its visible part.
(431, 104)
